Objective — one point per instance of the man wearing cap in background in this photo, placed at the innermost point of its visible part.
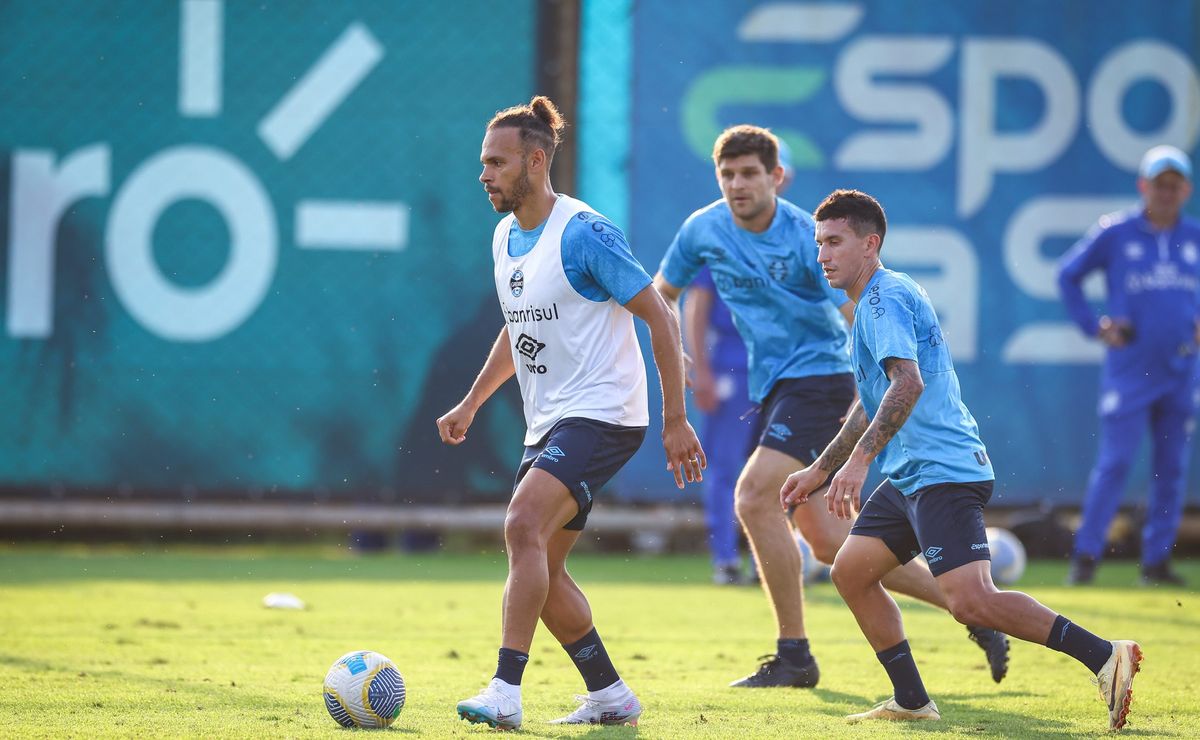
(1150, 256)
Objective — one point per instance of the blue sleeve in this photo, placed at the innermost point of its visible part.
(598, 262)
(1088, 254)
(680, 264)
(704, 280)
(888, 326)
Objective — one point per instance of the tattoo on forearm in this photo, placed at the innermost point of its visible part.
(894, 409)
(843, 444)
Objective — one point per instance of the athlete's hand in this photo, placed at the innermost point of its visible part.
(452, 426)
(1115, 333)
(845, 490)
(685, 458)
(704, 389)
(800, 485)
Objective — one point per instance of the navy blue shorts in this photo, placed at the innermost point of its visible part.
(583, 454)
(943, 521)
(803, 415)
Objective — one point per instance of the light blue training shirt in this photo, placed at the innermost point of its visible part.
(939, 443)
(781, 303)
(595, 256)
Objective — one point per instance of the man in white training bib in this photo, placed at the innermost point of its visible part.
(569, 288)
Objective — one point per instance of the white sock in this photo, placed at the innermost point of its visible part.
(506, 688)
(609, 692)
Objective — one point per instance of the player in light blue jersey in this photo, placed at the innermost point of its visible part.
(911, 420)
(568, 287)
(760, 251)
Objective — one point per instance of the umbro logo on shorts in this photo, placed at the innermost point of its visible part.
(933, 554)
(779, 431)
(553, 453)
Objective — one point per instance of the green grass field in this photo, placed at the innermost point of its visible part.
(130, 643)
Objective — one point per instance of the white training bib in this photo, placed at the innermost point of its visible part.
(574, 357)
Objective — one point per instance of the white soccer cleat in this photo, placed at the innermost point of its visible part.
(891, 711)
(1115, 680)
(622, 709)
(493, 707)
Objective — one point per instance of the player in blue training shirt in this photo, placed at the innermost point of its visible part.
(910, 419)
(721, 391)
(1150, 256)
(568, 288)
(763, 260)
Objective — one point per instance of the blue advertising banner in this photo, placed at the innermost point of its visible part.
(245, 248)
(995, 134)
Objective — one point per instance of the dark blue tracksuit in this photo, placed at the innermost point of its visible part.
(1153, 281)
(728, 433)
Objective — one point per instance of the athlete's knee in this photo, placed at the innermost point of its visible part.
(824, 546)
(968, 604)
(973, 612)
(846, 578)
(523, 531)
(753, 500)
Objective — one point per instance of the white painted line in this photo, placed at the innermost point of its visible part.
(200, 57)
(320, 91)
(800, 22)
(352, 225)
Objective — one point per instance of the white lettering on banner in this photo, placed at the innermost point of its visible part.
(886, 80)
(191, 314)
(1035, 273)
(953, 288)
(984, 151)
(919, 106)
(40, 196)
(1043, 218)
(1119, 71)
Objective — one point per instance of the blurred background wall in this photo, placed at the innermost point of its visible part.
(246, 253)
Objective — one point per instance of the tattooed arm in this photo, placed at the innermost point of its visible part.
(843, 444)
(803, 483)
(904, 388)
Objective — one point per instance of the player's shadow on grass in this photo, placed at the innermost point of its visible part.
(961, 714)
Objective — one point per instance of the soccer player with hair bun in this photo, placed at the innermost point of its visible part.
(569, 288)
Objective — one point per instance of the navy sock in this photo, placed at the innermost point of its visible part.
(795, 651)
(593, 662)
(511, 665)
(906, 681)
(1068, 637)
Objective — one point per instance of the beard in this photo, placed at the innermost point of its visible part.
(520, 190)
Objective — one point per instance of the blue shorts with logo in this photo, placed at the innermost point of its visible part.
(583, 454)
(943, 521)
(803, 415)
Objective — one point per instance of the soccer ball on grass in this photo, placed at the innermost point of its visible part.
(364, 689)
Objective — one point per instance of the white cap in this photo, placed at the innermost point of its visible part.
(1163, 158)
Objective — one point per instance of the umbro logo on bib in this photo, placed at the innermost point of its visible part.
(529, 349)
